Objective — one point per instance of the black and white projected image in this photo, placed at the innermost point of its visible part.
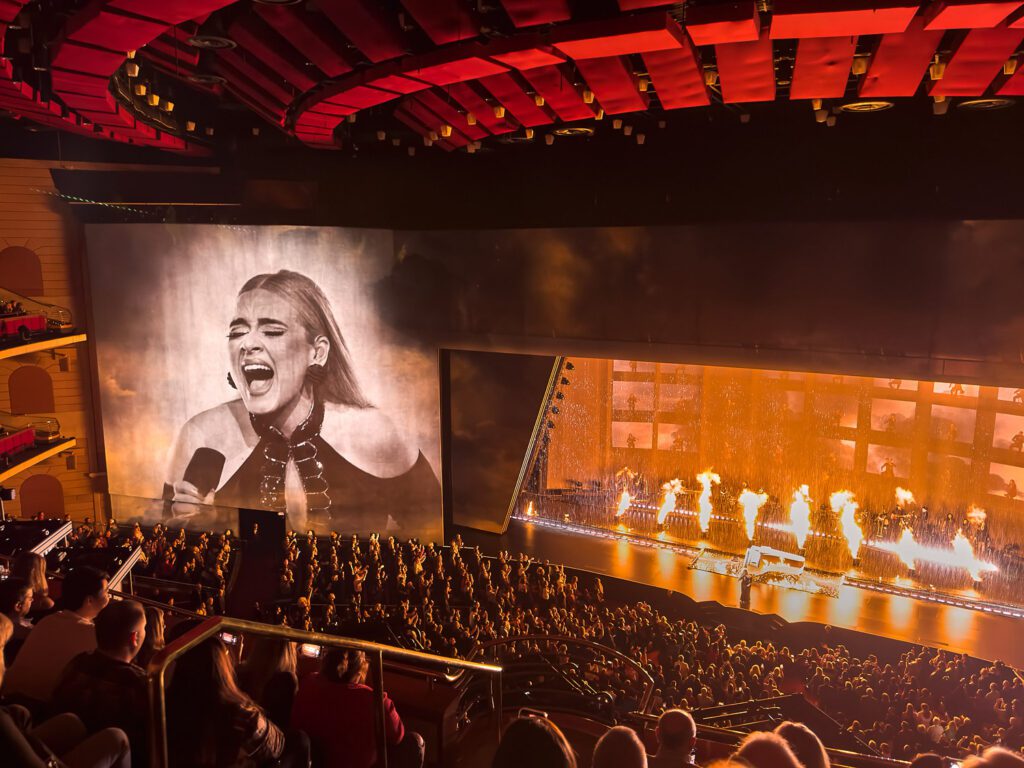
(268, 379)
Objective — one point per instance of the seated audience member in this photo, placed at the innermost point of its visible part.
(213, 724)
(764, 749)
(336, 709)
(677, 737)
(996, 757)
(805, 744)
(103, 687)
(15, 603)
(928, 760)
(59, 637)
(154, 640)
(535, 740)
(32, 568)
(60, 742)
(619, 747)
(268, 676)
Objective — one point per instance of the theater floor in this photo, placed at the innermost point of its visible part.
(980, 634)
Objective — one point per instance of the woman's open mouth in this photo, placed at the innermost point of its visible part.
(258, 377)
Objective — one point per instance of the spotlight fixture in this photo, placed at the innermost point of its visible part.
(130, 54)
(153, 100)
(588, 96)
(255, 130)
(820, 115)
(140, 89)
(427, 141)
(351, 118)
(831, 121)
(627, 130)
(616, 124)
(168, 106)
(937, 69)
(433, 136)
(470, 118)
(599, 115)
(411, 151)
(396, 142)
(202, 78)
(538, 100)
(574, 130)
(528, 133)
(190, 126)
(866, 106)
(381, 135)
(549, 139)
(446, 130)
(744, 117)
(211, 42)
(643, 84)
(815, 104)
(132, 69)
(662, 124)
(710, 77)
(499, 112)
(210, 131)
(1010, 66)
(860, 65)
(640, 138)
(986, 104)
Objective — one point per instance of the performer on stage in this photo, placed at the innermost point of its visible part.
(746, 581)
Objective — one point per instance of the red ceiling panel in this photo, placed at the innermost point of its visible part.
(520, 104)
(9, 9)
(102, 103)
(269, 84)
(310, 120)
(452, 116)
(620, 37)
(308, 38)
(77, 82)
(433, 122)
(417, 127)
(326, 108)
(840, 18)
(555, 85)
(614, 85)
(252, 35)
(173, 53)
(900, 62)
(822, 67)
(527, 13)
(82, 58)
(530, 58)
(968, 14)
(470, 68)
(112, 30)
(365, 23)
(170, 11)
(746, 70)
(444, 21)
(678, 78)
(721, 23)
(361, 97)
(1015, 85)
(398, 84)
(976, 62)
(473, 102)
(633, 5)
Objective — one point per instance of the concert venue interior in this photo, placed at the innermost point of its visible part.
(470, 383)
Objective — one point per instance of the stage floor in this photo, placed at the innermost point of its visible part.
(984, 635)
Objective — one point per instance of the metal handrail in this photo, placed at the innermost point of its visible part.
(645, 701)
(375, 651)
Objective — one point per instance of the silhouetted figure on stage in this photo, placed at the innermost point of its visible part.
(1011, 489)
(631, 402)
(895, 383)
(888, 469)
(631, 440)
(746, 581)
(956, 389)
(1018, 395)
(632, 366)
(1017, 442)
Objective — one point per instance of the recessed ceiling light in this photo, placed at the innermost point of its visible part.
(866, 106)
(211, 42)
(206, 79)
(985, 105)
(574, 130)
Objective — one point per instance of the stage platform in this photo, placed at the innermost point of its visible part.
(985, 635)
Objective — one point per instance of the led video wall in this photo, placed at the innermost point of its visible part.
(256, 367)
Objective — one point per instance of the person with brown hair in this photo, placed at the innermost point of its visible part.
(805, 744)
(213, 724)
(336, 708)
(32, 568)
(538, 738)
(764, 749)
(268, 675)
(153, 642)
(619, 747)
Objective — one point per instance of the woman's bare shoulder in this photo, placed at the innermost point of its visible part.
(369, 439)
(221, 425)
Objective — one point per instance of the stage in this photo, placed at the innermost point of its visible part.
(981, 634)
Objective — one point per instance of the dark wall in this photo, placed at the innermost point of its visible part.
(495, 399)
(916, 299)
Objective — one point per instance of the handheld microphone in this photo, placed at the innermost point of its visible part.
(204, 470)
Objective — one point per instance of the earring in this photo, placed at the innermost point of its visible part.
(231, 382)
(316, 374)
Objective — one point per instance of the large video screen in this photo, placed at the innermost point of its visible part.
(257, 368)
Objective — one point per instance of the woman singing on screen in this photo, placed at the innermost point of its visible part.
(301, 438)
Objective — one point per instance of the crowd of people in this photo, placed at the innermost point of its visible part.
(448, 600)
